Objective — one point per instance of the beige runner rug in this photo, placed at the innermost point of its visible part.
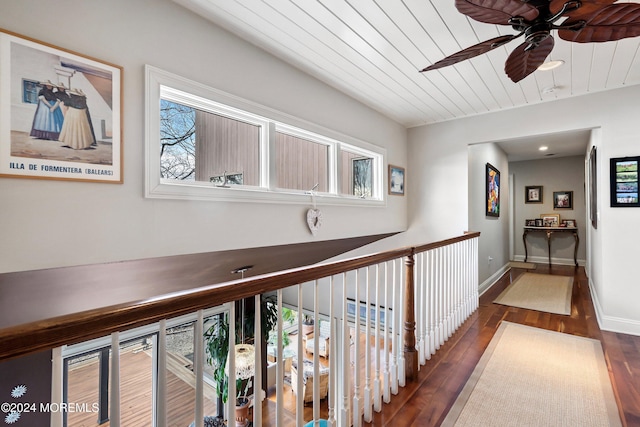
(534, 377)
(521, 264)
(542, 292)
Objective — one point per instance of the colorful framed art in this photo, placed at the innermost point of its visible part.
(492, 191)
(60, 115)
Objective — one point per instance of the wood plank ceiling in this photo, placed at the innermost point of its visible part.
(372, 50)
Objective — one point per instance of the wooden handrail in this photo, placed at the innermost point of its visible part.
(20, 340)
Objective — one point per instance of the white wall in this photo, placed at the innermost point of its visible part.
(51, 223)
(438, 165)
(553, 174)
(494, 237)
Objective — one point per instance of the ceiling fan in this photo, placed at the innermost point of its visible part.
(585, 21)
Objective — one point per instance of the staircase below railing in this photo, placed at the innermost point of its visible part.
(386, 314)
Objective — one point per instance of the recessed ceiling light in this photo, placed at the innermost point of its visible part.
(543, 148)
(550, 65)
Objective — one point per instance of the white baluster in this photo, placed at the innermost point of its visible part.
(161, 389)
(419, 310)
(57, 379)
(393, 368)
(443, 295)
(476, 283)
(357, 403)
(300, 365)
(280, 363)
(368, 403)
(458, 281)
(377, 392)
(114, 401)
(231, 402)
(346, 362)
(257, 376)
(432, 302)
(316, 354)
(386, 393)
(333, 345)
(401, 318)
(450, 303)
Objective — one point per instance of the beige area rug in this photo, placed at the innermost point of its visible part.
(534, 377)
(520, 264)
(542, 292)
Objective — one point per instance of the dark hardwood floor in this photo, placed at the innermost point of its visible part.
(426, 401)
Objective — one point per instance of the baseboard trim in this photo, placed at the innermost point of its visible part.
(493, 279)
(610, 323)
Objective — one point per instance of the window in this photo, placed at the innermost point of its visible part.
(357, 173)
(30, 90)
(301, 163)
(204, 144)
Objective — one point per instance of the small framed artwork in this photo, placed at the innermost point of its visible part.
(530, 222)
(563, 200)
(550, 220)
(492, 191)
(539, 222)
(569, 223)
(624, 182)
(533, 194)
(60, 113)
(396, 180)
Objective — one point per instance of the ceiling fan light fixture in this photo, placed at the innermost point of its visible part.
(550, 65)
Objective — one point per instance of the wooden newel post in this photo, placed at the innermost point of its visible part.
(409, 337)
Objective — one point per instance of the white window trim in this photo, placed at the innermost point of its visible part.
(161, 83)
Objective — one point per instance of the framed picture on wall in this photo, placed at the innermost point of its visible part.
(60, 115)
(563, 200)
(492, 191)
(624, 182)
(396, 180)
(533, 194)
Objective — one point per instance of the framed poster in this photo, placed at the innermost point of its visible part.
(60, 113)
(492, 191)
(624, 181)
(396, 180)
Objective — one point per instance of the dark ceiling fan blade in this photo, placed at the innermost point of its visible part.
(526, 58)
(472, 51)
(611, 22)
(496, 11)
(587, 7)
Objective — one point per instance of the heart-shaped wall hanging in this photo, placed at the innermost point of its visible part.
(314, 220)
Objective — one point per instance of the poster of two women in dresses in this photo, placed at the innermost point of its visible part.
(60, 114)
(63, 115)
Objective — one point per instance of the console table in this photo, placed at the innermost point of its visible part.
(550, 231)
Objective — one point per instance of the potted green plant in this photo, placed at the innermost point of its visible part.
(217, 346)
